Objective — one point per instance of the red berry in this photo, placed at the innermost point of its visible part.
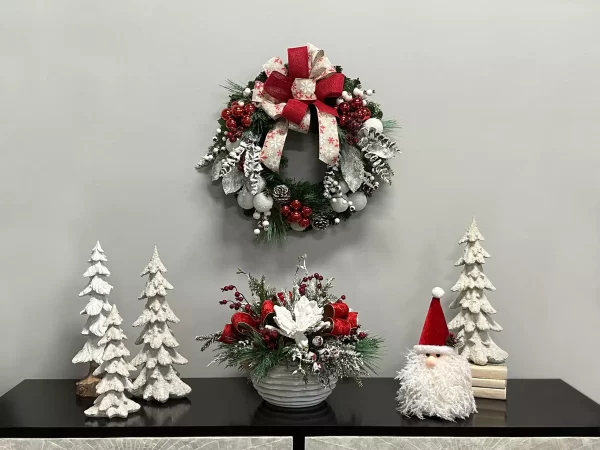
(295, 216)
(231, 306)
(296, 204)
(356, 103)
(285, 210)
(364, 113)
(343, 120)
(231, 124)
(344, 108)
(231, 287)
(362, 335)
(304, 222)
(343, 297)
(306, 211)
(239, 132)
(249, 108)
(247, 308)
(319, 286)
(321, 278)
(246, 121)
(226, 114)
(232, 137)
(237, 110)
(273, 333)
(305, 279)
(316, 275)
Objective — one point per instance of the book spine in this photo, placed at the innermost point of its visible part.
(495, 394)
(492, 372)
(489, 383)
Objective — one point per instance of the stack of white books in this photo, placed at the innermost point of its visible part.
(489, 381)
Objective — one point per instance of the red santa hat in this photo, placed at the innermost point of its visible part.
(435, 332)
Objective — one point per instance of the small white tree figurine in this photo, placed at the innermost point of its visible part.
(473, 323)
(157, 379)
(112, 401)
(97, 310)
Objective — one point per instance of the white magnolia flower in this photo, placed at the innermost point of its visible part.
(307, 314)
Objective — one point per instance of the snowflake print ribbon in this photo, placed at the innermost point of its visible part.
(286, 95)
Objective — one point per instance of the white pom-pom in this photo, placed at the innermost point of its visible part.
(247, 92)
(373, 123)
(263, 202)
(359, 200)
(343, 186)
(245, 199)
(256, 231)
(437, 292)
(256, 215)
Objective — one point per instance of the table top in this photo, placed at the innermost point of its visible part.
(231, 407)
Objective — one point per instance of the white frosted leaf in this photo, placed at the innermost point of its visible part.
(217, 165)
(352, 167)
(233, 181)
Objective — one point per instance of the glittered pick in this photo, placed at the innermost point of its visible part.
(233, 181)
(352, 167)
(218, 164)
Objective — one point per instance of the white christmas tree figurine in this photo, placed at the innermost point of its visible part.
(473, 323)
(157, 379)
(112, 401)
(97, 310)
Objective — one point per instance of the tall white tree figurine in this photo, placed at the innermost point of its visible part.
(112, 401)
(157, 380)
(473, 323)
(97, 310)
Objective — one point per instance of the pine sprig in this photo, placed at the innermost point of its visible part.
(208, 339)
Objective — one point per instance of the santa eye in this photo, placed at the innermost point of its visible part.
(427, 354)
(437, 355)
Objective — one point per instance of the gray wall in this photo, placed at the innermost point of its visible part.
(106, 107)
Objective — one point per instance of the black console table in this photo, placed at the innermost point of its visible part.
(227, 413)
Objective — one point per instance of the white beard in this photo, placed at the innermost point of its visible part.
(444, 391)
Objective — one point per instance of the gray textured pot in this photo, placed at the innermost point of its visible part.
(282, 388)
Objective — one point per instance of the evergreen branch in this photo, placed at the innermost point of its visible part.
(208, 339)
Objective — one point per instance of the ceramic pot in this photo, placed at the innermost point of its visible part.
(283, 388)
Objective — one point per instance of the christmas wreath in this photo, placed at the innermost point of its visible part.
(247, 149)
(308, 328)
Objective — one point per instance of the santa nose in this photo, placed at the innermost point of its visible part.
(430, 362)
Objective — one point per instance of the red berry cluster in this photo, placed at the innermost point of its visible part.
(239, 299)
(237, 117)
(295, 212)
(302, 287)
(269, 337)
(351, 116)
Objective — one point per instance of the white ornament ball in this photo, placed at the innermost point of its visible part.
(263, 202)
(337, 220)
(343, 186)
(369, 92)
(265, 223)
(241, 103)
(218, 130)
(256, 215)
(262, 184)
(358, 199)
(245, 199)
(357, 92)
(256, 231)
(296, 226)
(267, 214)
(230, 146)
(247, 92)
(339, 101)
(364, 103)
(345, 94)
(209, 157)
(339, 207)
(373, 123)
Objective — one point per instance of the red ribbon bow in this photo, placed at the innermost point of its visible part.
(301, 87)
(342, 320)
(242, 324)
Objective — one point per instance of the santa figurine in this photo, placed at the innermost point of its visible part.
(436, 380)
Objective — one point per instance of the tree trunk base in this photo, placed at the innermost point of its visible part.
(87, 386)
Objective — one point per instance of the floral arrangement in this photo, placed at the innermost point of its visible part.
(308, 328)
(247, 149)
